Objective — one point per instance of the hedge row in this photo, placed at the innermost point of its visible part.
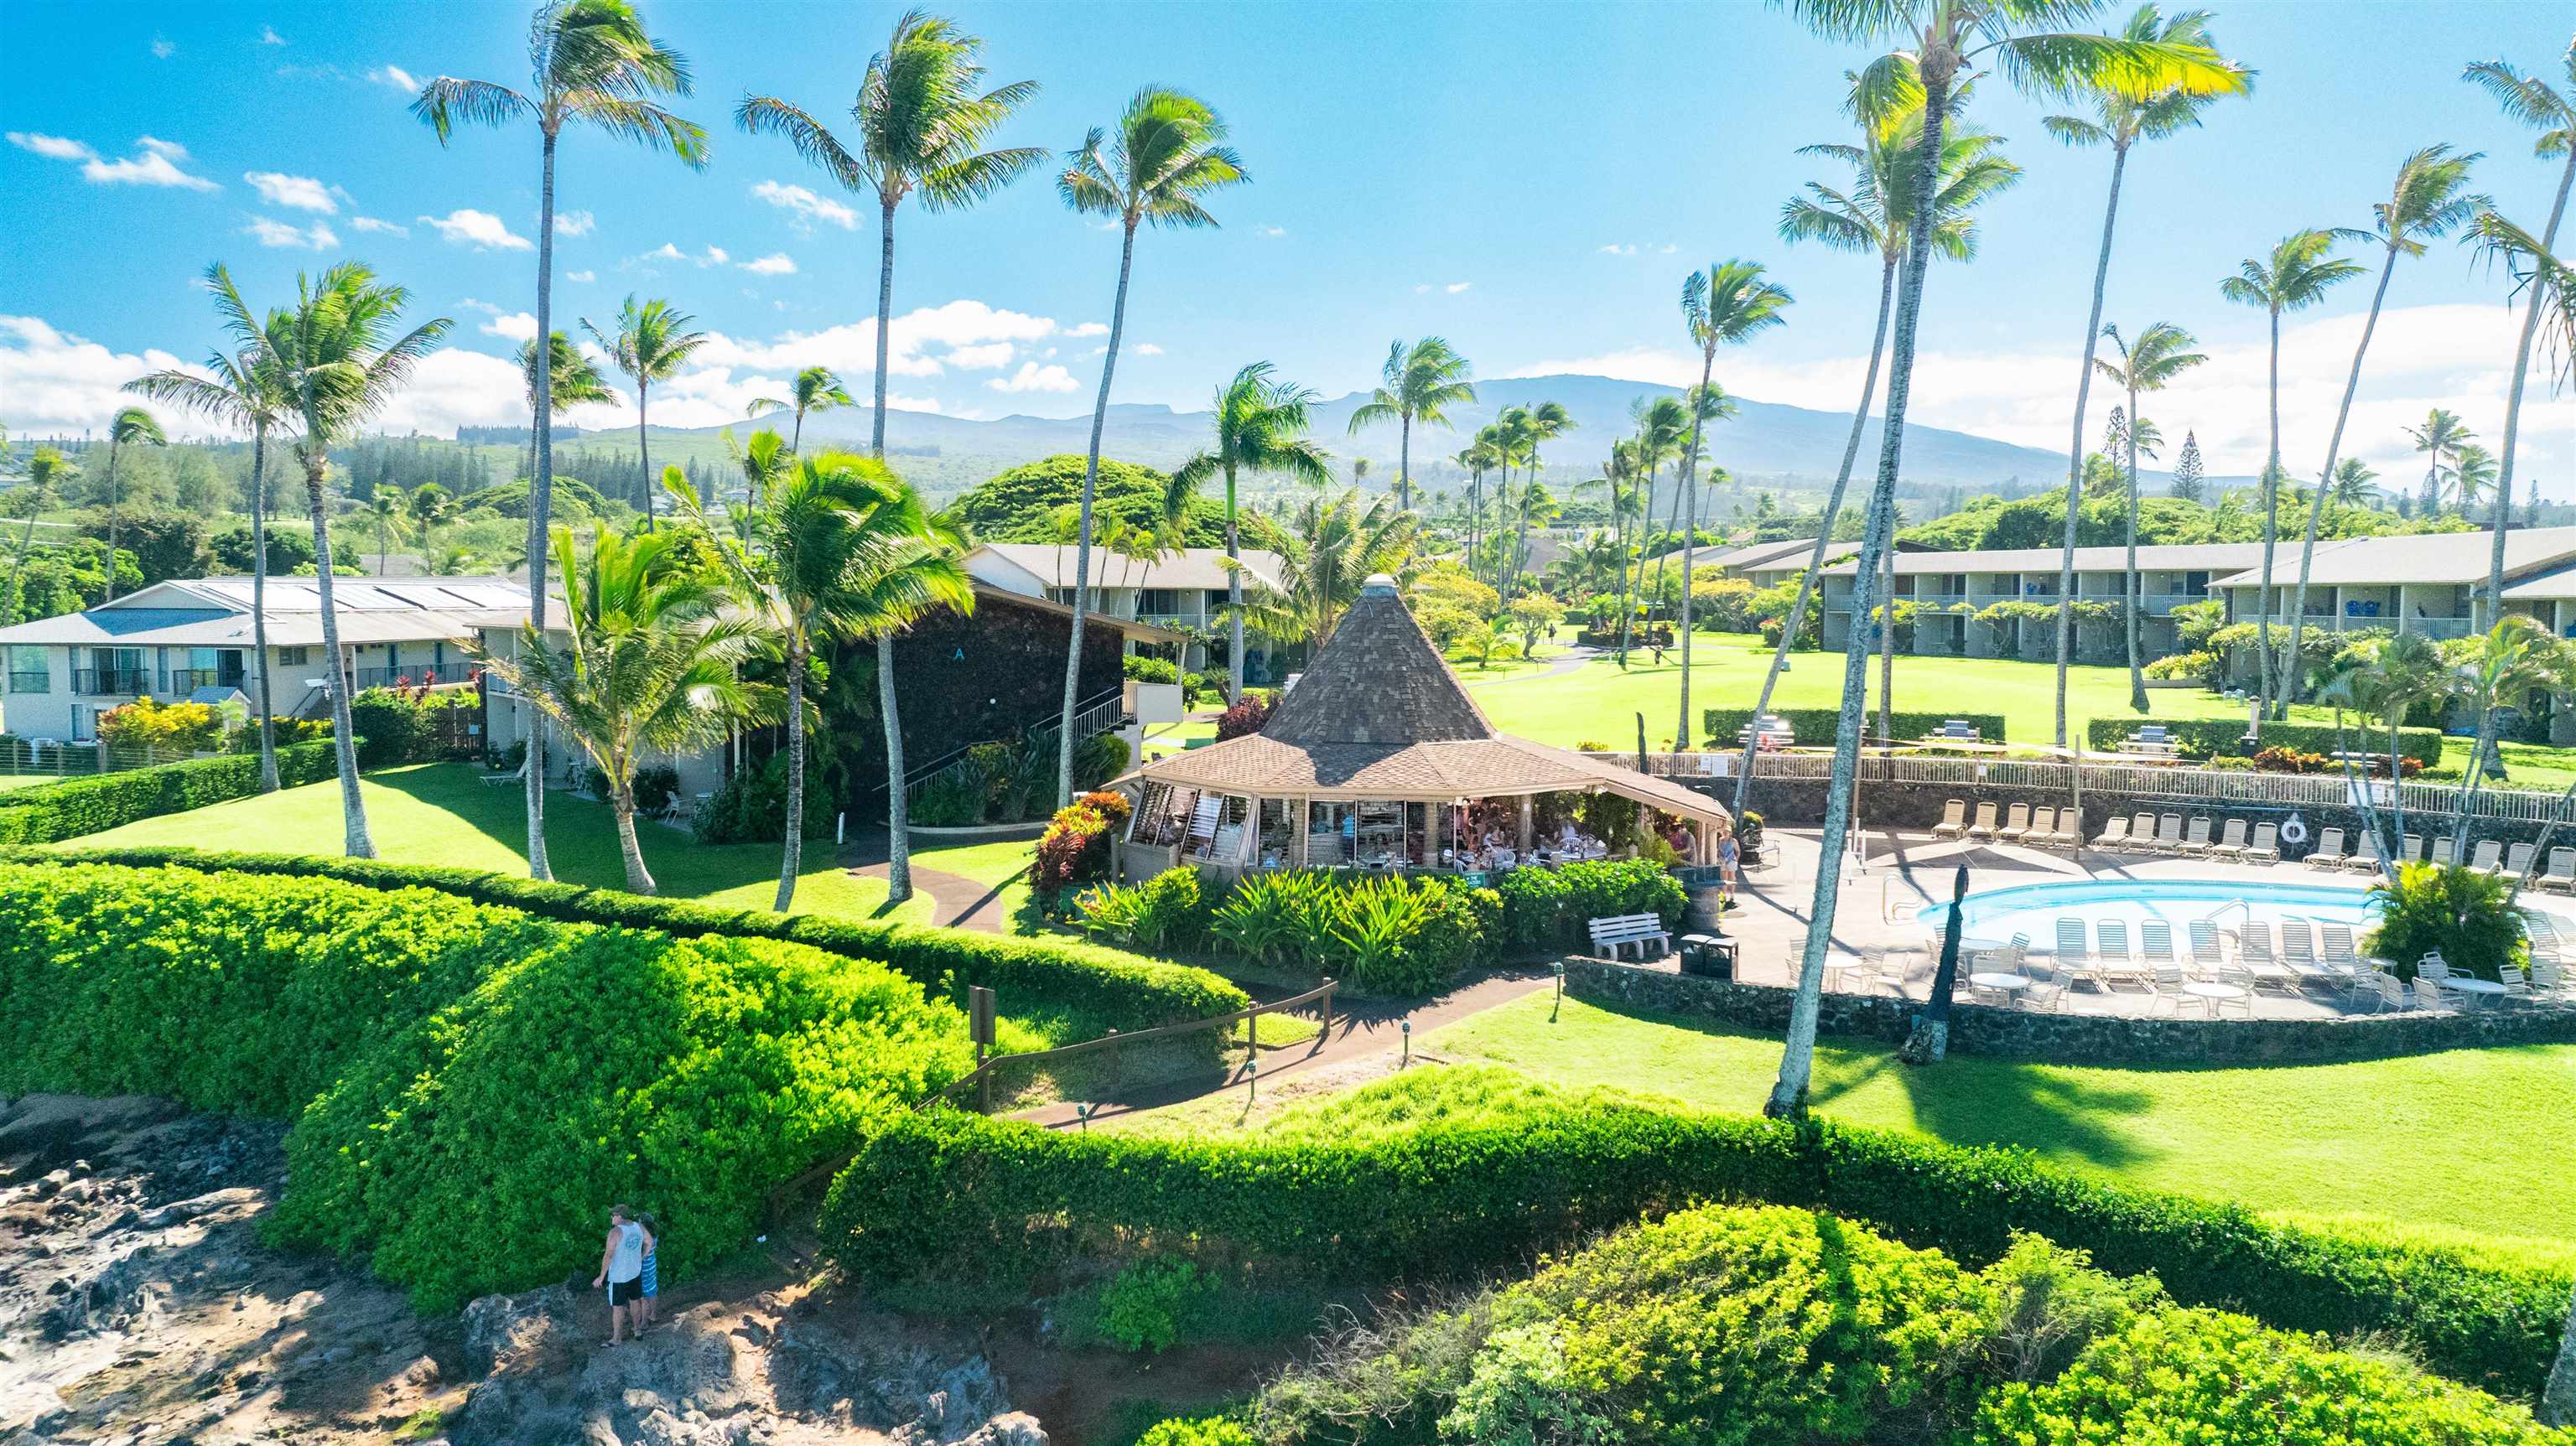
(78, 806)
(2226, 736)
(1817, 726)
(1113, 989)
(1455, 1201)
(471, 1087)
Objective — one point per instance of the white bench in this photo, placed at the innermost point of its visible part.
(1612, 934)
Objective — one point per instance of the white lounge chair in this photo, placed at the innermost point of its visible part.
(2169, 834)
(2328, 853)
(2195, 844)
(2261, 963)
(1984, 828)
(2517, 861)
(2111, 956)
(2074, 955)
(2016, 824)
(2266, 847)
(2231, 841)
(2115, 834)
(2560, 876)
(2299, 953)
(1954, 820)
(2490, 857)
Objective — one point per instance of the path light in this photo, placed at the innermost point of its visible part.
(1407, 1027)
(1082, 1112)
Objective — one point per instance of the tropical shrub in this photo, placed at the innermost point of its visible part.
(953, 800)
(751, 807)
(1144, 668)
(171, 730)
(53, 811)
(1723, 726)
(2210, 1376)
(1113, 805)
(1244, 716)
(655, 786)
(2290, 760)
(1550, 908)
(1199, 1431)
(2465, 916)
(1145, 1306)
(1161, 913)
(1380, 933)
(2208, 667)
(401, 725)
(1073, 851)
(2201, 737)
(1098, 759)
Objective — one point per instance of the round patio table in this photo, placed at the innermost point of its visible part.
(2485, 988)
(2005, 984)
(2211, 995)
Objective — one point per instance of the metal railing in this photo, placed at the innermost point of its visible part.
(414, 675)
(189, 680)
(1116, 1043)
(1174, 621)
(112, 682)
(54, 758)
(1101, 713)
(2393, 622)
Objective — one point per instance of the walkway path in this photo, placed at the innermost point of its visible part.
(1571, 660)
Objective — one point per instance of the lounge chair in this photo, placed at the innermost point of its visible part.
(2231, 841)
(2369, 857)
(2266, 847)
(1954, 819)
(2441, 853)
(2328, 853)
(2561, 873)
(2208, 957)
(2489, 858)
(2169, 834)
(1984, 828)
(2115, 834)
(2074, 956)
(2111, 954)
(2261, 962)
(2016, 824)
(2517, 861)
(2195, 844)
(2155, 944)
(2410, 848)
(2299, 953)
(2068, 831)
(2142, 833)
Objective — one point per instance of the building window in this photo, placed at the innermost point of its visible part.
(294, 657)
(30, 669)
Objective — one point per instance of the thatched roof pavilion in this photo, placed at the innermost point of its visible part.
(1380, 754)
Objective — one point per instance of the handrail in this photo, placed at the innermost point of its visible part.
(923, 775)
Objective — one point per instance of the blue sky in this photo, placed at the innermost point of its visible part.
(1532, 181)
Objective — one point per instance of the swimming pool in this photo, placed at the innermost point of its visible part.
(1994, 915)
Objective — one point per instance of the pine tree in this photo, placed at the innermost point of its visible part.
(2186, 478)
(2531, 509)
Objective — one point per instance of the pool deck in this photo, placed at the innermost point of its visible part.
(1905, 871)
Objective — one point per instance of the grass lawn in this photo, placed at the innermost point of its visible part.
(30, 780)
(2464, 1147)
(442, 813)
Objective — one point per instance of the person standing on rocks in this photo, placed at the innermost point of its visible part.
(650, 1303)
(621, 1269)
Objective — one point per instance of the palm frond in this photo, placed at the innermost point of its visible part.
(447, 100)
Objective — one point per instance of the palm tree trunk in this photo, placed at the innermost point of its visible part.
(1683, 733)
(1404, 461)
(1627, 607)
(2558, 1397)
(2075, 457)
(1887, 640)
(1797, 1057)
(1824, 532)
(541, 493)
(643, 451)
(353, 807)
(2291, 667)
(1082, 525)
(796, 437)
(1672, 521)
(885, 324)
(2271, 485)
(791, 860)
(621, 799)
(898, 807)
(259, 605)
(1234, 596)
(2513, 398)
(2136, 597)
(111, 514)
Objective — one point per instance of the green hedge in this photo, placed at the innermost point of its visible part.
(1551, 908)
(79, 806)
(1816, 727)
(1113, 989)
(1456, 1201)
(471, 1087)
(395, 726)
(2225, 735)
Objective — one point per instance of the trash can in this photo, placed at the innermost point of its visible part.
(1705, 956)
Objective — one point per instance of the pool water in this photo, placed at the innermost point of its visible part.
(1994, 915)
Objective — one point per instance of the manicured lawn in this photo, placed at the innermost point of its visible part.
(29, 780)
(2470, 1145)
(442, 813)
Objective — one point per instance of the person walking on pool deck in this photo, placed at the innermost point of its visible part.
(621, 1269)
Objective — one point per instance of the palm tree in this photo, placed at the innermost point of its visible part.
(2295, 276)
(591, 62)
(341, 362)
(1484, 455)
(650, 663)
(1726, 305)
(839, 548)
(2352, 484)
(2441, 438)
(571, 379)
(1876, 217)
(2385, 681)
(1943, 39)
(243, 389)
(428, 505)
(1344, 541)
(2161, 353)
(2472, 475)
(649, 344)
(386, 507)
(816, 389)
(2121, 120)
(1167, 155)
(135, 425)
(2530, 100)
(1660, 428)
(1418, 383)
(2514, 659)
(1260, 427)
(1523, 430)
(920, 129)
(2430, 198)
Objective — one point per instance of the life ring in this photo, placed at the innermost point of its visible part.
(2294, 831)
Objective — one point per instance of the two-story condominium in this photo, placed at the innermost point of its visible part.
(1764, 564)
(1950, 589)
(1183, 589)
(2429, 583)
(192, 638)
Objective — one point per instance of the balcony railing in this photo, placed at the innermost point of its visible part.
(184, 681)
(412, 675)
(1175, 621)
(2393, 622)
(112, 682)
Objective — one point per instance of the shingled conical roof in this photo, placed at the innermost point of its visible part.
(1378, 679)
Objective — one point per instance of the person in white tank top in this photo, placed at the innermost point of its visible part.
(621, 1270)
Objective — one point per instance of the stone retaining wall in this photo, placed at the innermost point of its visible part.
(2079, 1038)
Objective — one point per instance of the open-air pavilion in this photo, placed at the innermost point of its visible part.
(1379, 758)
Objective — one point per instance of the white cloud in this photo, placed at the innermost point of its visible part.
(575, 223)
(1089, 328)
(268, 36)
(1666, 249)
(981, 358)
(370, 223)
(485, 307)
(163, 49)
(776, 263)
(296, 193)
(1615, 249)
(1454, 287)
(157, 163)
(394, 77)
(1147, 348)
(806, 207)
(1032, 377)
(581, 276)
(53, 381)
(273, 232)
(851, 349)
(517, 326)
(712, 256)
(1270, 231)
(479, 229)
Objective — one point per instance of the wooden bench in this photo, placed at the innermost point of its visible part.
(1612, 934)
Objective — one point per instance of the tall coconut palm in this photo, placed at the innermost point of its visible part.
(1167, 156)
(2297, 274)
(386, 509)
(1875, 217)
(2121, 119)
(651, 662)
(2352, 484)
(2430, 198)
(2441, 439)
(649, 343)
(2473, 476)
(838, 548)
(2386, 680)
(2161, 353)
(571, 379)
(135, 426)
(1943, 40)
(1623, 475)
(242, 388)
(1419, 383)
(591, 63)
(2552, 112)
(815, 389)
(1260, 427)
(1524, 431)
(1344, 541)
(341, 360)
(1478, 458)
(1661, 426)
(1726, 305)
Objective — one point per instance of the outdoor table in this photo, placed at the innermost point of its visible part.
(2008, 985)
(2481, 988)
(2210, 994)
